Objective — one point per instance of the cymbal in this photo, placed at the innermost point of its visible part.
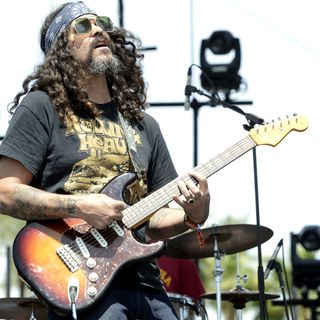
(21, 308)
(231, 239)
(239, 296)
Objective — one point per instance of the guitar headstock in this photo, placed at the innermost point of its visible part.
(272, 133)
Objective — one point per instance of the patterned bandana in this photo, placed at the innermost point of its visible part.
(70, 12)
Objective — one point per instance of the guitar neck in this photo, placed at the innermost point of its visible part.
(141, 211)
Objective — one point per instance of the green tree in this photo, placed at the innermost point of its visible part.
(9, 227)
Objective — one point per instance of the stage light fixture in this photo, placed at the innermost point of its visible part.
(223, 74)
(309, 237)
(306, 271)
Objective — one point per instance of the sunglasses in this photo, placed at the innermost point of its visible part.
(84, 25)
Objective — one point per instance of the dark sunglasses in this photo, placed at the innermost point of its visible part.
(84, 25)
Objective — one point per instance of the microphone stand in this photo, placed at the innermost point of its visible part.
(277, 266)
(252, 121)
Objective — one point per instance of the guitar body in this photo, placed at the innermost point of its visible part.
(39, 265)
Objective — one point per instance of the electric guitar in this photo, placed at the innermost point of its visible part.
(67, 262)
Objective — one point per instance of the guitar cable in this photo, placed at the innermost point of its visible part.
(73, 294)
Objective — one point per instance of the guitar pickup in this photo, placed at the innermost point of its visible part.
(117, 229)
(98, 236)
(82, 246)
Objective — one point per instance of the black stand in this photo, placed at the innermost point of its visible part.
(252, 121)
(121, 13)
(278, 268)
(262, 305)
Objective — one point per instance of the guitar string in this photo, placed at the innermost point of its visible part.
(206, 169)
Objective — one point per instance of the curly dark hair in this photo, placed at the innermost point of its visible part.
(57, 77)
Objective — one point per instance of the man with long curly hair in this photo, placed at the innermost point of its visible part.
(77, 137)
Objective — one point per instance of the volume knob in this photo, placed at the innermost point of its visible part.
(91, 263)
(93, 277)
(92, 291)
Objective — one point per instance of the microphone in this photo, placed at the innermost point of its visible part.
(272, 260)
(187, 90)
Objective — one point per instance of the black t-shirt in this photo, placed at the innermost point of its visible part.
(83, 155)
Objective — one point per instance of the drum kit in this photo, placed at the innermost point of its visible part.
(218, 241)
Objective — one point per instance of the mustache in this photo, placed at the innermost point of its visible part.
(98, 38)
(101, 38)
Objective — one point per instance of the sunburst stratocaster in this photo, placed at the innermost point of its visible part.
(54, 257)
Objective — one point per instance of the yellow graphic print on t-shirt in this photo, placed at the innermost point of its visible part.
(165, 278)
(108, 156)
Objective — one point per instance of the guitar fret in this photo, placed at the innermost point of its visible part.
(150, 204)
(226, 157)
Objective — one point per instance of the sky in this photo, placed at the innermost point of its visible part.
(280, 63)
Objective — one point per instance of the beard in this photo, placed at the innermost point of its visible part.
(104, 65)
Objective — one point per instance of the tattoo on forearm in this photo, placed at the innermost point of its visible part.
(163, 233)
(71, 207)
(30, 204)
(27, 205)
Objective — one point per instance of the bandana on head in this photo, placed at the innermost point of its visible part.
(70, 12)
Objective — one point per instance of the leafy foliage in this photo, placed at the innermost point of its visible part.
(9, 227)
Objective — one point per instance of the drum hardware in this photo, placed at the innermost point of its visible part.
(231, 239)
(244, 278)
(238, 285)
(22, 308)
(239, 296)
(186, 308)
(218, 271)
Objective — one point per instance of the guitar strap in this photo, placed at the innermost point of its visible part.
(132, 147)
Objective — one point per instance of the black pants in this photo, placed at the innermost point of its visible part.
(128, 304)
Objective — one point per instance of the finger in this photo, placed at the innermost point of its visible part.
(202, 180)
(194, 191)
(186, 193)
(119, 205)
(183, 203)
(179, 201)
(197, 195)
(118, 215)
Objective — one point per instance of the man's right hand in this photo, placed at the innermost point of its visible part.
(98, 210)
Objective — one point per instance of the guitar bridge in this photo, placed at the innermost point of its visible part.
(69, 258)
